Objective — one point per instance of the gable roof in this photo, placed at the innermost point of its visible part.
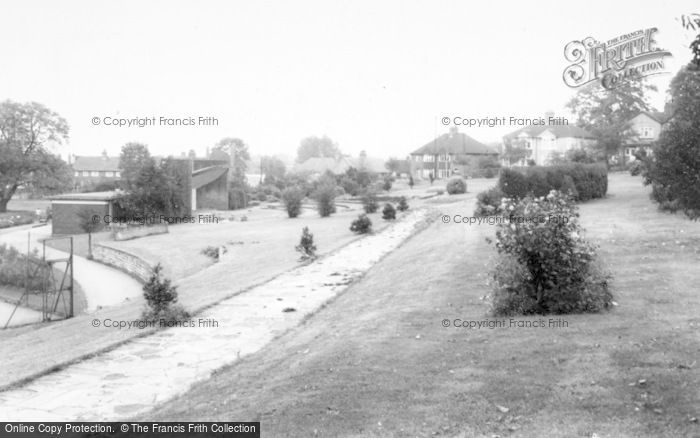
(99, 163)
(656, 116)
(559, 131)
(456, 143)
(206, 175)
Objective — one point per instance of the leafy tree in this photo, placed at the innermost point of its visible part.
(389, 212)
(161, 298)
(606, 113)
(133, 158)
(317, 147)
(515, 151)
(411, 183)
(27, 132)
(274, 170)
(238, 156)
(87, 223)
(673, 170)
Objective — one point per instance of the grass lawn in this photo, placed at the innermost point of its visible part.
(378, 362)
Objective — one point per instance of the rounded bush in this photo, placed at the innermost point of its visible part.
(325, 198)
(456, 186)
(389, 212)
(369, 202)
(292, 198)
(361, 225)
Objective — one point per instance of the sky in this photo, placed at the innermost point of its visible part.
(377, 76)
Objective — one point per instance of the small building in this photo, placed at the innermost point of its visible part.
(66, 210)
(448, 154)
(317, 166)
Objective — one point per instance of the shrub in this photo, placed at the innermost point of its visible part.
(161, 298)
(13, 268)
(403, 205)
(292, 198)
(306, 245)
(325, 198)
(456, 186)
(214, 252)
(350, 186)
(387, 182)
(361, 225)
(545, 265)
(513, 184)
(369, 202)
(590, 181)
(389, 212)
(489, 202)
(237, 198)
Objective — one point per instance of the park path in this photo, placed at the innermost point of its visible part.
(132, 378)
(102, 285)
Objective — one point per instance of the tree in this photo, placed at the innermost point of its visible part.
(673, 170)
(306, 246)
(606, 113)
(151, 192)
(274, 170)
(238, 156)
(88, 222)
(317, 147)
(410, 181)
(515, 150)
(27, 133)
(133, 158)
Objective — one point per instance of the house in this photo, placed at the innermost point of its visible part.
(646, 128)
(447, 154)
(89, 171)
(545, 140)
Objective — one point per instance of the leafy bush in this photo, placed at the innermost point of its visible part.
(361, 225)
(306, 245)
(350, 186)
(237, 198)
(369, 202)
(161, 298)
(489, 202)
(292, 198)
(214, 252)
(456, 186)
(545, 266)
(589, 181)
(389, 212)
(13, 268)
(403, 204)
(325, 198)
(387, 182)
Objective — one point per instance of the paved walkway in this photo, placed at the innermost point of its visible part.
(130, 379)
(21, 316)
(102, 285)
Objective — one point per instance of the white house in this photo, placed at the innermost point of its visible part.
(646, 127)
(544, 140)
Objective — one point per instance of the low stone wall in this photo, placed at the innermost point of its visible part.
(122, 260)
(133, 232)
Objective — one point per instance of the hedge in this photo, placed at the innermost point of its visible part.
(590, 181)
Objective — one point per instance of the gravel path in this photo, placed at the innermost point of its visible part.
(132, 378)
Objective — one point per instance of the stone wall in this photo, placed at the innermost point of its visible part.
(122, 260)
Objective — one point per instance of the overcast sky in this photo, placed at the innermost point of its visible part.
(372, 75)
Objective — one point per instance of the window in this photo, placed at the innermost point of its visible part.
(428, 158)
(86, 173)
(109, 174)
(94, 173)
(77, 174)
(118, 174)
(647, 132)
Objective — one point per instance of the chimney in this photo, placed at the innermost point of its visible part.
(104, 154)
(453, 130)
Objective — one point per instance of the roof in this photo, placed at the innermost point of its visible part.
(455, 143)
(559, 131)
(99, 163)
(202, 177)
(91, 196)
(657, 116)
